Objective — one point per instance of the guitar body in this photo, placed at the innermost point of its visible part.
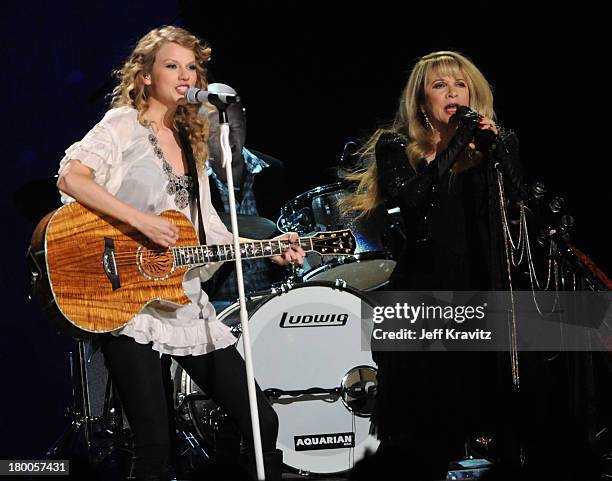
(96, 273)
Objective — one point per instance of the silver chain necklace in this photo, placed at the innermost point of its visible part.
(178, 186)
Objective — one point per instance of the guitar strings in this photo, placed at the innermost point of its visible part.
(161, 251)
(131, 256)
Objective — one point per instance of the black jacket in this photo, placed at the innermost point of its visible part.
(453, 222)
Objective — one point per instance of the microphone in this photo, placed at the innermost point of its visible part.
(216, 93)
(483, 139)
(465, 113)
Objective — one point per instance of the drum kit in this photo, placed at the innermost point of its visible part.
(306, 336)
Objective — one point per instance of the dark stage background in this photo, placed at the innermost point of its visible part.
(310, 80)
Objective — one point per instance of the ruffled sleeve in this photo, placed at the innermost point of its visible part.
(101, 151)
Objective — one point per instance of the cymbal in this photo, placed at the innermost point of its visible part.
(251, 226)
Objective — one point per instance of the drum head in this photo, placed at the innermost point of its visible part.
(365, 275)
(310, 336)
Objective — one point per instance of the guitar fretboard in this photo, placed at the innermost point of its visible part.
(193, 255)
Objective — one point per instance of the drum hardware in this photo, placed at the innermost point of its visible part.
(295, 273)
(236, 330)
(212, 418)
(275, 290)
(357, 391)
(350, 149)
(203, 426)
(359, 387)
(284, 287)
(79, 411)
(274, 393)
(193, 448)
(95, 437)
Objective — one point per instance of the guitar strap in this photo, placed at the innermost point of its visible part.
(195, 194)
(212, 285)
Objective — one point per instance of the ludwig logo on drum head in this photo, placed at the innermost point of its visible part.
(311, 442)
(313, 320)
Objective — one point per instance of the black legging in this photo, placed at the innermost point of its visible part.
(136, 370)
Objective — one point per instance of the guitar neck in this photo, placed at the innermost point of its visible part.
(197, 255)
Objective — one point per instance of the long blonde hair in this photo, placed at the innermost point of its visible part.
(410, 122)
(131, 90)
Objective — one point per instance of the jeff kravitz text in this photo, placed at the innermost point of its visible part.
(432, 335)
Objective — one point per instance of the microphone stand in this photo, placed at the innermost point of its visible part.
(246, 336)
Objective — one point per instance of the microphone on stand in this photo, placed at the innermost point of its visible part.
(219, 95)
(216, 93)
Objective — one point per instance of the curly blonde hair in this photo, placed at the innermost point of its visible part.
(410, 121)
(131, 90)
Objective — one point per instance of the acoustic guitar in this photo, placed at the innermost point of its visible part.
(93, 273)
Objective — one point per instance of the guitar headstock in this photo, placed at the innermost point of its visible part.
(338, 242)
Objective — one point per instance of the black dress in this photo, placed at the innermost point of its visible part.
(428, 403)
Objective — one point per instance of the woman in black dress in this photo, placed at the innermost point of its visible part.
(438, 162)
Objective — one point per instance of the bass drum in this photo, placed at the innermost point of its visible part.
(308, 357)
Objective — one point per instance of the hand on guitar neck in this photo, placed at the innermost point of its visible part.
(295, 255)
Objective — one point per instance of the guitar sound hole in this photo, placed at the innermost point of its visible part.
(156, 264)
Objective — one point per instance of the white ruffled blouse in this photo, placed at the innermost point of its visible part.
(118, 150)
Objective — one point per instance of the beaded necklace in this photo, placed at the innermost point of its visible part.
(178, 186)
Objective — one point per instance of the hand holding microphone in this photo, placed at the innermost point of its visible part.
(472, 129)
(483, 129)
(503, 154)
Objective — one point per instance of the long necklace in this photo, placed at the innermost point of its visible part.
(178, 186)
